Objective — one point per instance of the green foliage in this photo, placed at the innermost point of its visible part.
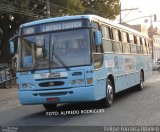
(66, 7)
(105, 8)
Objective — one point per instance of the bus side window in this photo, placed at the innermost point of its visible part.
(144, 46)
(131, 38)
(97, 50)
(135, 40)
(139, 45)
(117, 47)
(132, 43)
(106, 40)
(125, 42)
(138, 41)
(95, 26)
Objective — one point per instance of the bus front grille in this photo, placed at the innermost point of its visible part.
(53, 94)
(48, 84)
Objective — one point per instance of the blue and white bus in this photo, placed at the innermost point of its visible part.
(79, 59)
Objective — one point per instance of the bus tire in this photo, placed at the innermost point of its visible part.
(141, 85)
(108, 100)
(50, 107)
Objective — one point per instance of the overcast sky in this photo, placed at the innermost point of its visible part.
(145, 8)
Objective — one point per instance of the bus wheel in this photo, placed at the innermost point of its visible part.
(141, 85)
(107, 102)
(50, 107)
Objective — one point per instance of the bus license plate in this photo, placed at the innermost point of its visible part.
(53, 99)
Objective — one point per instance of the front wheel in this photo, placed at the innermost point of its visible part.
(50, 107)
(108, 100)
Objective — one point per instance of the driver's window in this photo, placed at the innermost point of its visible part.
(27, 57)
(39, 46)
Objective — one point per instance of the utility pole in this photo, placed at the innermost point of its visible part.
(152, 32)
(120, 21)
(125, 10)
(48, 9)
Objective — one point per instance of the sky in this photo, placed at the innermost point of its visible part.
(145, 8)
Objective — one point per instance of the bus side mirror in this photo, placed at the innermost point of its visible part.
(11, 47)
(98, 38)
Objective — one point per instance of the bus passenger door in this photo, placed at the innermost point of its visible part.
(98, 59)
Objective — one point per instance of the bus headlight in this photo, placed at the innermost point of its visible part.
(80, 81)
(24, 85)
(73, 82)
(30, 85)
(89, 80)
(27, 85)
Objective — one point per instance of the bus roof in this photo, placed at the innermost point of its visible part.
(56, 19)
(89, 17)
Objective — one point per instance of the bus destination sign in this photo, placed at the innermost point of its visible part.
(51, 27)
(61, 26)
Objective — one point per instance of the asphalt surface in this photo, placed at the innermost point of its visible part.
(130, 108)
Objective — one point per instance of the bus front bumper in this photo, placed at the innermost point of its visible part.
(78, 94)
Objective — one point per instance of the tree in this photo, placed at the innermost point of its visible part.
(105, 8)
(12, 14)
(67, 7)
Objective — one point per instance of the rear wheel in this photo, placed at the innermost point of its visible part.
(141, 85)
(108, 100)
(50, 107)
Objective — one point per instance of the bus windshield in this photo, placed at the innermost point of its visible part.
(54, 50)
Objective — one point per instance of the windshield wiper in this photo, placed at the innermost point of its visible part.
(59, 59)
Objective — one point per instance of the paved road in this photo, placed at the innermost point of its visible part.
(130, 107)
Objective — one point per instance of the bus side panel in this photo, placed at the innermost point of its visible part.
(101, 74)
(100, 81)
(120, 79)
(144, 63)
(115, 66)
(147, 60)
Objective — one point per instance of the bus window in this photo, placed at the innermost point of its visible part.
(141, 42)
(34, 52)
(97, 50)
(125, 42)
(144, 46)
(138, 41)
(95, 25)
(117, 47)
(133, 48)
(131, 38)
(132, 43)
(107, 44)
(140, 46)
(135, 40)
